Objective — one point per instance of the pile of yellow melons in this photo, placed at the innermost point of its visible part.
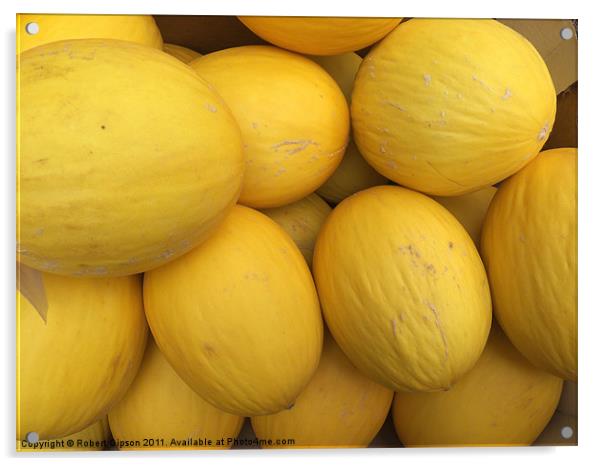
(290, 233)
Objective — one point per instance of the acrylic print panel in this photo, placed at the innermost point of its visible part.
(159, 308)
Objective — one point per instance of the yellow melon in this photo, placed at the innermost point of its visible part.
(340, 407)
(159, 412)
(470, 209)
(503, 400)
(320, 35)
(448, 106)
(36, 30)
(342, 68)
(181, 53)
(126, 159)
(238, 317)
(95, 437)
(561, 430)
(353, 174)
(74, 367)
(302, 221)
(529, 247)
(402, 288)
(293, 117)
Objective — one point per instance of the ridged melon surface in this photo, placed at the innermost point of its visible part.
(238, 317)
(126, 159)
(403, 289)
(529, 247)
(448, 106)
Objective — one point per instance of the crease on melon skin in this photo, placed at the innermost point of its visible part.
(302, 221)
(402, 288)
(240, 307)
(339, 408)
(502, 400)
(118, 177)
(73, 367)
(320, 35)
(160, 406)
(529, 247)
(293, 117)
(141, 29)
(448, 106)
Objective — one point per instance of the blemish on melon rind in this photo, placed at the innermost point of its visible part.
(543, 132)
(167, 254)
(300, 144)
(395, 105)
(427, 79)
(98, 270)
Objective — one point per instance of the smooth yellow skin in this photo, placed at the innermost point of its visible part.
(126, 159)
(470, 209)
(448, 106)
(402, 288)
(141, 29)
(293, 117)
(320, 36)
(529, 247)
(340, 408)
(552, 434)
(72, 368)
(353, 174)
(183, 54)
(302, 221)
(160, 406)
(238, 317)
(95, 437)
(503, 400)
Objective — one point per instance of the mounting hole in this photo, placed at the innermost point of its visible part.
(566, 432)
(566, 33)
(32, 437)
(32, 28)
